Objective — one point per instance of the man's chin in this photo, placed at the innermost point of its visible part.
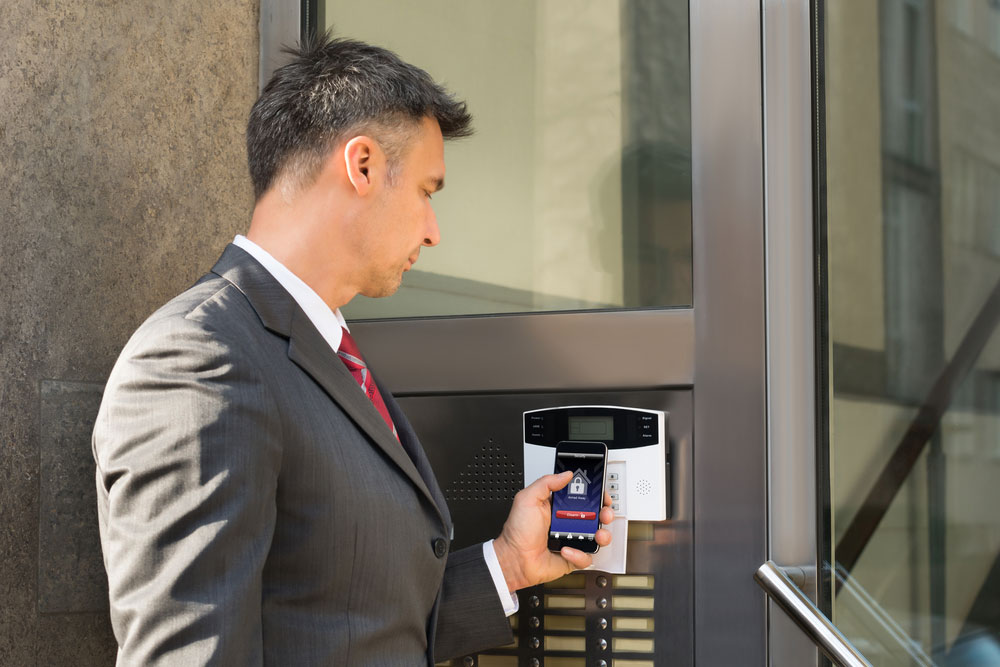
(383, 290)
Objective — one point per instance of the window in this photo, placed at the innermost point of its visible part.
(575, 191)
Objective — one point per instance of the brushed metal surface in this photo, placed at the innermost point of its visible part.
(792, 536)
(280, 24)
(534, 352)
(730, 464)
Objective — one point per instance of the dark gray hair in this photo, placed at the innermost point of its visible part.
(334, 89)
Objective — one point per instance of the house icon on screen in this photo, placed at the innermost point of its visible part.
(578, 487)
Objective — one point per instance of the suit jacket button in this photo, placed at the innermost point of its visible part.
(440, 547)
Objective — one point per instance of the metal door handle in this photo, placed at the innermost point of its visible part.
(811, 620)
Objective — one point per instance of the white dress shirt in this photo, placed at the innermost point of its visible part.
(329, 323)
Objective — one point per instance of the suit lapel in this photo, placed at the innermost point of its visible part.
(408, 438)
(309, 350)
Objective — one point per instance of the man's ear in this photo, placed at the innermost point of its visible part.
(361, 155)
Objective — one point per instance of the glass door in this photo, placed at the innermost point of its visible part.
(911, 216)
(602, 235)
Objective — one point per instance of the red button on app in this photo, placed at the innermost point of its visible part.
(571, 514)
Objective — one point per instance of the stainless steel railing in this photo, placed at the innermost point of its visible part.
(808, 617)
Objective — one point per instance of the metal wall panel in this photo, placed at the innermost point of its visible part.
(577, 351)
(730, 362)
(790, 307)
(280, 25)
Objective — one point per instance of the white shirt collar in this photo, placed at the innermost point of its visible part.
(329, 322)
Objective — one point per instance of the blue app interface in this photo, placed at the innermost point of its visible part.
(575, 507)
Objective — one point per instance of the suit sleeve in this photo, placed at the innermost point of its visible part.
(470, 615)
(187, 461)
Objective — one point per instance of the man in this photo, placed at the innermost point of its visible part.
(255, 506)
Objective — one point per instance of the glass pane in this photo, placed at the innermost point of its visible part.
(913, 232)
(575, 191)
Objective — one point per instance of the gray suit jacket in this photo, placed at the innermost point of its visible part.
(254, 507)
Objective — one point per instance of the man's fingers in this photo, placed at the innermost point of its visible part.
(607, 499)
(546, 484)
(577, 558)
(603, 537)
(607, 516)
(556, 482)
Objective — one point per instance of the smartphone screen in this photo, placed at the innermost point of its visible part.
(576, 507)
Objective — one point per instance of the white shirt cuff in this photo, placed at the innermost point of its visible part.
(507, 599)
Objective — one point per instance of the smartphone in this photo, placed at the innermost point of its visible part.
(576, 508)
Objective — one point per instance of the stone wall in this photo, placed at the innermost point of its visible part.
(123, 171)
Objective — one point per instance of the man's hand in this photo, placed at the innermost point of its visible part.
(522, 548)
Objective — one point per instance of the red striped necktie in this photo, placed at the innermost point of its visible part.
(351, 356)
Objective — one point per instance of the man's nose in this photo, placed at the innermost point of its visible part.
(433, 234)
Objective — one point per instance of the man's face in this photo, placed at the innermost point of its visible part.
(402, 219)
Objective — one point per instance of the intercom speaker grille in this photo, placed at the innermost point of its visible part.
(643, 487)
(490, 475)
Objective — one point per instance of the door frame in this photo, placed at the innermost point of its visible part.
(746, 346)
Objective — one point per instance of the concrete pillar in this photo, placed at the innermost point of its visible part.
(123, 175)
